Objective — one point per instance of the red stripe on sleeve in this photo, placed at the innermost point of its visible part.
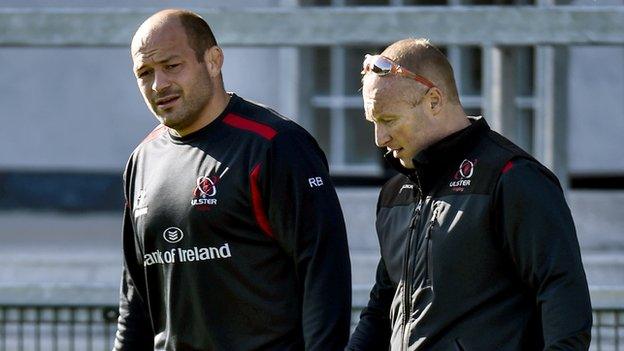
(252, 126)
(507, 167)
(256, 199)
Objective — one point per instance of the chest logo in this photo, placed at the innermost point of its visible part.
(461, 179)
(140, 203)
(205, 191)
(173, 235)
(409, 187)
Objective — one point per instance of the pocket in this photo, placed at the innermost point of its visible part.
(429, 244)
(429, 260)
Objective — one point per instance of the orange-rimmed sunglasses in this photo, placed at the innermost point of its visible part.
(381, 66)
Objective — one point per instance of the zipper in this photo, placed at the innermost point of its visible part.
(407, 291)
(429, 243)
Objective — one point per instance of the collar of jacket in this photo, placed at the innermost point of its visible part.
(442, 155)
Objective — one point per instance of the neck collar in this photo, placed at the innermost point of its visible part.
(442, 153)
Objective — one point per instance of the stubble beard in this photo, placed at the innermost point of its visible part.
(190, 107)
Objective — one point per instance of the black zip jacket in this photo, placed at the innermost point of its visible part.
(478, 252)
(233, 239)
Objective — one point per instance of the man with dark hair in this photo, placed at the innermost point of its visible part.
(198, 34)
(478, 247)
(233, 237)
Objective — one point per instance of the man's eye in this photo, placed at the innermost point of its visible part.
(172, 66)
(144, 74)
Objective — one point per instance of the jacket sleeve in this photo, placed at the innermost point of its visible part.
(373, 330)
(538, 232)
(306, 220)
(134, 328)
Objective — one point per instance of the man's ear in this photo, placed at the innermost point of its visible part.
(435, 100)
(213, 58)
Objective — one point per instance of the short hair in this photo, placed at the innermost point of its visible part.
(423, 58)
(199, 35)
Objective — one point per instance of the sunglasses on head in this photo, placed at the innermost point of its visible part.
(381, 66)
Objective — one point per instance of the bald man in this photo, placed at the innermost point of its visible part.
(233, 237)
(478, 247)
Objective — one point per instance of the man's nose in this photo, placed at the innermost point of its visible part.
(381, 135)
(161, 82)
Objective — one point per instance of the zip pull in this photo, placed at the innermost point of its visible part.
(413, 222)
(432, 222)
(416, 215)
(428, 232)
(437, 208)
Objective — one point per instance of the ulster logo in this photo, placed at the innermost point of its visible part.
(206, 186)
(173, 235)
(466, 169)
(206, 190)
(462, 177)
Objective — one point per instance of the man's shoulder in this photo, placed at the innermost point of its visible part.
(516, 156)
(157, 133)
(262, 120)
(495, 142)
(527, 170)
(267, 125)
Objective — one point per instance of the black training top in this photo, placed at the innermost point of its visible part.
(233, 239)
(478, 252)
